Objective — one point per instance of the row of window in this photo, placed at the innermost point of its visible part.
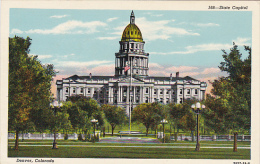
(146, 100)
(132, 46)
(189, 91)
(82, 90)
(125, 90)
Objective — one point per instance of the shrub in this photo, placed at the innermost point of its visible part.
(66, 137)
(80, 137)
(167, 138)
(95, 138)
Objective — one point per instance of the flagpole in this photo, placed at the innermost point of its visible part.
(130, 103)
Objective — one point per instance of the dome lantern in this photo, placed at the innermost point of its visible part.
(132, 18)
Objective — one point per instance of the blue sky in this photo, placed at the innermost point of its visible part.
(84, 41)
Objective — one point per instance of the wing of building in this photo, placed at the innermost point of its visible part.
(131, 85)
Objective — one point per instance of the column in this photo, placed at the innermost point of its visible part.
(112, 95)
(127, 94)
(170, 95)
(152, 92)
(109, 94)
(134, 95)
(121, 93)
(117, 93)
(164, 95)
(141, 94)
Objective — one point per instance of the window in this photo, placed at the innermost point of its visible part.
(146, 100)
(155, 91)
(124, 99)
(180, 100)
(161, 91)
(167, 91)
(137, 99)
(155, 100)
(196, 91)
(67, 90)
(88, 90)
(180, 91)
(188, 91)
(147, 90)
(173, 92)
(74, 90)
(131, 32)
(161, 100)
(81, 90)
(167, 100)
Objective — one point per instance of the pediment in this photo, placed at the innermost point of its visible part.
(128, 80)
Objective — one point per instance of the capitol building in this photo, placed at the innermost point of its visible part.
(131, 85)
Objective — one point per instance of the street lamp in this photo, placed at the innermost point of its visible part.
(196, 108)
(55, 107)
(94, 121)
(164, 122)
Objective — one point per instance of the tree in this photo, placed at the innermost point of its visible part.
(182, 115)
(148, 114)
(81, 110)
(29, 85)
(229, 106)
(176, 113)
(114, 115)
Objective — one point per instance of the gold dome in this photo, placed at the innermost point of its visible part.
(132, 32)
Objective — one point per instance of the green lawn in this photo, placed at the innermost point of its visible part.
(78, 149)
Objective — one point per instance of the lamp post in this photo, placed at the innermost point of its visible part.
(55, 106)
(196, 108)
(164, 122)
(94, 121)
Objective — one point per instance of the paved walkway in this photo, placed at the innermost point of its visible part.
(129, 140)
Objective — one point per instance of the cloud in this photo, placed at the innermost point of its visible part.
(108, 70)
(205, 24)
(58, 16)
(154, 30)
(112, 19)
(211, 70)
(69, 27)
(78, 64)
(242, 41)
(108, 38)
(181, 68)
(44, 56)
(197, 48)
(16, 31)
(65, 56)
(41, 56)
(157, 15)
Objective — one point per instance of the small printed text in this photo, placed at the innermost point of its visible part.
(228, 7)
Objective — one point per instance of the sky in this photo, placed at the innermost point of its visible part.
(85, 41)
